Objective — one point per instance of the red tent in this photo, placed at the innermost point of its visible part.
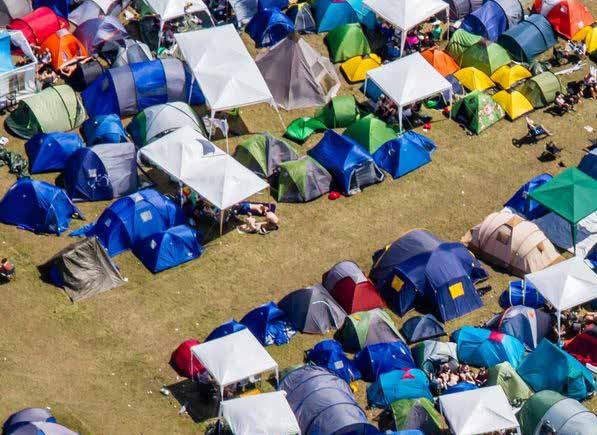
(567, 17)
(184, 362)
(583, 347)
(38, 25)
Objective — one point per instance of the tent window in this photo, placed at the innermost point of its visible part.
(503, 236)
(541, 247)
(456, 290)
(327, 83)
(397, 283)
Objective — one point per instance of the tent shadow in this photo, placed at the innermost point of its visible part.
(199, 407)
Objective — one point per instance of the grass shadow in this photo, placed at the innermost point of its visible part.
(200, 404)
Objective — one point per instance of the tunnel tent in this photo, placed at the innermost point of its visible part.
(85, 74)
(101, 34)
(12, 9)
(485, 56)
(541, 89)
(44, 428)
(461, 8)
(461, 41)
(301, 180)
(494, 18)
(131, 51)
(529, 38)
(48, 152)
(263, 154)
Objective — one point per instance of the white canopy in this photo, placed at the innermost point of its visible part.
(262, 414)
(408, 80)
(478, 411)
(171, 9)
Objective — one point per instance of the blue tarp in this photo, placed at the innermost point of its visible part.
(522, 204)
(396, 385)
(376, 359)
(230, 327)
(268, 27)
(104, 129)
(521, 293)
(269, 324)
(529, 38)
(5, 55)
(588, 164)
(329, 355)
(48, 152)
(459, 387)
(484, 348)
(489, 21)
(37, 206)
(404, 154)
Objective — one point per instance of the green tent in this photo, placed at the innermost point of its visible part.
(418, 414)
(347, 41)
(541, 90)
(301, 129)
(57, 108)
(461, 41)
(340, 112)
(263, 153)
(503, 374)
(477, 111)
(370, 132)
(365, 328)
(485, 56)
(301, 180)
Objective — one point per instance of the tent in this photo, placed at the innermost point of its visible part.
(521, 293)
(588, 35)
(429, 355)
(461, 41)
(330, 14)
(63, 47)
(42, 428)
(441, 61)
(340, 112)
(377, 359)
(457, 88)
(514, 387)
(588, 164)
(312, 310)
(355, 69)
(131, 51)
(522, 204)
(184, 362)
(301, 129)
(408, 80)
(60, 7)
(527, 324)
(129, 89)
(226, 328)
(38, 25)
(297, 75)
(507, 76)
(17, 81)
(27, 415)
(56, 108)
(486, 56)
(420, 328)
(479, 411)
(550, 368)
(557, 229)
(37, 206)
(301, 180)
(350, 288)
(474, 79)
(91, 9)
(302, 18)
(567, 17)
(404, 154)
(550, 411)
(370, 132)
(417, 414)
(541, 90)
(461, 8)
(266, 413)
(477, 111)
(350, 165)
(104, 129)
(101, 34)
(268, 27)
(484, 348)
(263, 154)
(102, 172)
(365, 328)
(48, 152)
(528, 39)
(347, 41)
(85, 74)
(11, 9)
(583, 347)
(509, 241)
(329, 355)
(131, 219)
(269, 324)
(494, 18)
(397, 385)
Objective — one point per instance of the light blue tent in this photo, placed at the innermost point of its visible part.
(484, 348)
(48, 152)
(588, 164)
(104, 129)
(404, 154)
(396, 385)
(529, 38)
(268, 27)
(5, 55)
(330, 14)
(493, 18)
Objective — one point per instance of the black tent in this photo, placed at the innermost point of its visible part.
(421, 328)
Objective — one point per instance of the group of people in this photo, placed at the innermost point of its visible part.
(416, 39)
(448, 377)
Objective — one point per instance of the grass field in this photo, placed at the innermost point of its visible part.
(100, 364)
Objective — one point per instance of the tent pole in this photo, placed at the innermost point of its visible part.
(180, 193)
(402, 42)
(160, 35)
(448, 16)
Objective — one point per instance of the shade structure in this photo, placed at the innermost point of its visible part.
(514, 103)
(441, 61)
(301, 180)
(588, 35)
(171, 9)
(347, 41)
(485, 56)
(267, 414)
(48, 152)
(370, 132)
(506, 76)
(355, 69)
(529, 38)
(474, 79)
(569, 16)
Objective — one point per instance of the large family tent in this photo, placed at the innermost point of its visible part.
(365, 328)
(461, 8)
(131, 51)
(509, 241)
(376, 359)
(84, 269)
(329, 354)
(588, 163)
(473, 79)
(17, 81)
(37, 206)
(263, 153)
(370, 132)
(129, 89)
(297, 75)
(528, 39)
(302, 18)
(485, 56)
(420, 328)
(56, 108)
(355, 69)
(529, 325)
(133, 218)
(48, 152)
(541, 89)
(484, 348)
(104, 129)
(548, 411)
(404, 154)
(567, 17)
(301, 180)
(507, 76)
(504, 375)
(312, 310)
(420, 268)
(441, 61)
(522, 204)
(347, 41)
(340, 112)
(350, 165)
(268, 27)
(38, 25)
(461, 41)
(431, 354)
(493, 18)
(63, 47)
(302, 128)
(588, 35)
(269, 324)
(477, 111)
(85, 74)
(101, 34)
(102, 172)
(11, 9)
(397, 385)
(419, 414)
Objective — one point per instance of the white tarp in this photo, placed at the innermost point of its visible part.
(478, 411)
(262, 414)
(170, 9)
(21, 81)
(558, 231)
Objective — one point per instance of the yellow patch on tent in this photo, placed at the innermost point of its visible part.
(456, 290)
(514, 103)
(506, 75)
(474, 79)
(588, 34)
(355, 69)
(397, 283)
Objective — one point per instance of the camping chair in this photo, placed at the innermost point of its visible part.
(550, 153)
(531, 138)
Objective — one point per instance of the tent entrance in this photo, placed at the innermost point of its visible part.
(364, 175)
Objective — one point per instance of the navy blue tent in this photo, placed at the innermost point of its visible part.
(104, 129)
(269, 324)
(133, 218)
(521, 202)
(493, 18)
(376, 359)
(329, 354)
(60, 7)
(421, 328)
(588, 164)
(270, 4)
(169, 248)
(48, 152)
(269, 26)
(529, 38)
(521, 293)
(37, 206)
(230, 327)
(350, 165)
(404, 154)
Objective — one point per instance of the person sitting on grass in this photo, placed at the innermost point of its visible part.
(536, 130)
(252, 226)
(561, 103)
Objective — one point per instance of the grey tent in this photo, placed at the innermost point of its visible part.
(263, 153)
(84, 269)
(297, 75)
(11, 9)
(513, 10)
(301, 180)
(365, 328)
(131, 52)
(430, 354)
(461, 8)
(313, 310)
(90, 9)
(101, 34)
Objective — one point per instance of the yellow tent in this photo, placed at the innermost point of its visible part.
(589, 35)
(474, 79)
(355, 69)
(514, 104)
(506, 76)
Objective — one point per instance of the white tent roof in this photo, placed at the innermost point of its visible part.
(221, 64)
(406, 14)
(263, 414)
(234, 357)
(567, 284)
(193, 160)
(478, 411)
(170, 9)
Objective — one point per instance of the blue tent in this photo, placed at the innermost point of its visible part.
(404, 154)
(457, 87)
(329, 354)
(550, 368)
(48, 152)
(522, 204)
(227, 328)
(419, 328)
(25, 416)
(133, 218)
(5, 55)
(376, 359)
(521, 293)
(60, 7)
(529, 38)
(330, 14)
(269, 26)
(129, 89)
(493, 18)
(396, 385)
(270, 4)
(104, 129)
(528, 325)
(269, 324)
(459, 387)
(169, 248)
(346, 160)
(588, 164)
(484, 348)
(37, 206)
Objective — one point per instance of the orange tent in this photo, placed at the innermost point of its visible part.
(63, 47)
(568, 17)
(441, 61)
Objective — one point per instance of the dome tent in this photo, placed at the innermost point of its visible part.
(507, 76)
(301, 16)
(365, 328)
(441, 61)
(269, 324)
(184, 362)
(477, 111)
(63, 47)
(421, 328)
(301, 129)
(429, 355)
(355, 69)
(460, 41)
(481, 347)
(396, 385)
(522, 204)
(528, 324)
(404, 154)
(567, 17)
(27, 415)
(417, 413)
(474, 79)
(505, 376)
(377, 359)
(328, 354)
(494, 18)
(268, 27)
(485, 56)
(347, 41)
(131, 51)
(38, 25)
(331, 14)
(226, 328)
(104, 129)
(528, 39)
(48, 152)
(301, 180)
(340, 112)
(541, 89)
(461, 8)
(263, 153)
(42, 428)
(101, 34)
(370, 132)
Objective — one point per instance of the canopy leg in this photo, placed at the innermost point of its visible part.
(559, 328)
(211, 124)
(280, 118)
(221, 222)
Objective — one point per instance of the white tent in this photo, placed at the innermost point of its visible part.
(407, 14)
(408, 80)
(234, 358)
(262, 414)
(478, 411)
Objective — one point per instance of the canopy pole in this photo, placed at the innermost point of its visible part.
(402, 41)
(221, 222)
(400, 117)
(211, 123)
(559, 328)
(160, 35)
(573, 229)
(180, 193)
